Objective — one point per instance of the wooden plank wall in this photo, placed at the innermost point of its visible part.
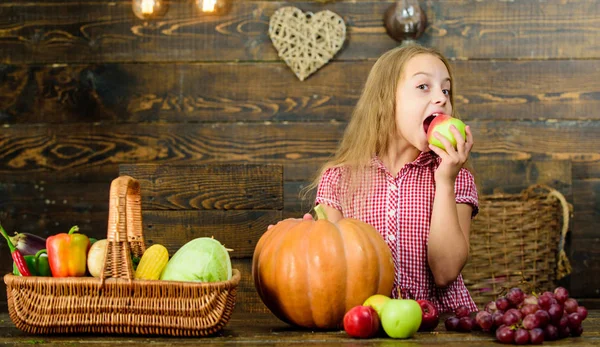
(86, 86)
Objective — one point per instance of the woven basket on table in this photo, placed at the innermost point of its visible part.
(116, 302)
(517, 240)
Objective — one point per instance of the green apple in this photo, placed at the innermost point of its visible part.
(441, 123)
(401, 318)
(377, 301)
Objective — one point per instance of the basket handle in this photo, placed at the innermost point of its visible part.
(563, 264)
(124, 233)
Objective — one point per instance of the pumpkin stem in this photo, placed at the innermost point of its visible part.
(320, 212)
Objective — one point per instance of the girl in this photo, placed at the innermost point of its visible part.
(418, 196)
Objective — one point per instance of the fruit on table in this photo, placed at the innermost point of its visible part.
(451, 323)
(401, 318)
(96, 257)
(441, 124)
(505, 334)
(466, 323)
(431, 316)
(67, 253)
(309, 273)
(377, 301)
(527, 318)
(361, 322)
(484, 320)
(203, 259)
(515, 296)
(153, 261)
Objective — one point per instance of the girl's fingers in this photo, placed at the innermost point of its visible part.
(469, 134)
(460, 142)
(307, 216)
(447, 145)
(470, 141)
(440, 152)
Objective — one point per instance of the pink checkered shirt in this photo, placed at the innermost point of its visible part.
(400, 209)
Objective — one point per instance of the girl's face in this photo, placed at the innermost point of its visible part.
(423, 90)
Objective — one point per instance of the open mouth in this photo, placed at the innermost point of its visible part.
(428, 121)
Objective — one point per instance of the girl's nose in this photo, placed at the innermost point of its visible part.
(439, 98)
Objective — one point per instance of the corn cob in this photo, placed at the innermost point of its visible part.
(153, 261)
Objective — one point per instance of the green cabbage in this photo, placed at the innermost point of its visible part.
(200, 260)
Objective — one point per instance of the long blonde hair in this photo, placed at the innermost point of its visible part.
(373, 122)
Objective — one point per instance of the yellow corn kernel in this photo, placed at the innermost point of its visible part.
(153, 261)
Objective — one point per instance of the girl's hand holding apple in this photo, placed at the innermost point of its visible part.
(452, 141)
(443, 125)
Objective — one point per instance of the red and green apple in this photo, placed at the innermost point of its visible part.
(441, 124)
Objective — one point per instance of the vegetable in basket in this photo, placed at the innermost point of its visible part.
(18, 259)
(96, 257)
(67, 253)
(152, 263)
(28, 244)
(203, 259)
(37, 264)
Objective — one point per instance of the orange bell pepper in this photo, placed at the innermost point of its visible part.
(67, 253)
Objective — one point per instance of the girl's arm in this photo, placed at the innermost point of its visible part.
(448, 246)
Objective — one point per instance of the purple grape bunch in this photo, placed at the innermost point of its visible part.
(520, 318)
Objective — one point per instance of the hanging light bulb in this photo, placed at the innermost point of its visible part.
(149, 9)
(207, 5)
(405, 20)
(212, 6)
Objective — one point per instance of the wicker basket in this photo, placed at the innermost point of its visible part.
(517, 240)
(115, 303)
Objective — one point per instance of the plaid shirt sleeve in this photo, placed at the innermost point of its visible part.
(329, 188)
(466, 190)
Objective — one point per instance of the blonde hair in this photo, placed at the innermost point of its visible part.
(373, 122)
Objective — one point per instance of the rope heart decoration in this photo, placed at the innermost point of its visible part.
(306, 41)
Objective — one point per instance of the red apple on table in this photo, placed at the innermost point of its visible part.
(431, 316)
(441, 124)
(361, 322)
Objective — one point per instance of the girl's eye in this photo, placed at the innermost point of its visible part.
(446, 91)
(423, 86)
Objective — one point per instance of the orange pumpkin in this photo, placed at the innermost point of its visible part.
(310, 273)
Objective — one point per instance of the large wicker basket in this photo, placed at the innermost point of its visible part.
(517, 240)
(116, 303)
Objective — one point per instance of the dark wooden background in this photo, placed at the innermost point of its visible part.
(85, 86)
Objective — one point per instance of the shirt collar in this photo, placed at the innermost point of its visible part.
(424, 159)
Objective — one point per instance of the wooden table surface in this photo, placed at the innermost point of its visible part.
(266, 330)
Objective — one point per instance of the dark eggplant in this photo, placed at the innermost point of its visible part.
(28, 244)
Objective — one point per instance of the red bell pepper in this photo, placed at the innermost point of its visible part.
(67, 253)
